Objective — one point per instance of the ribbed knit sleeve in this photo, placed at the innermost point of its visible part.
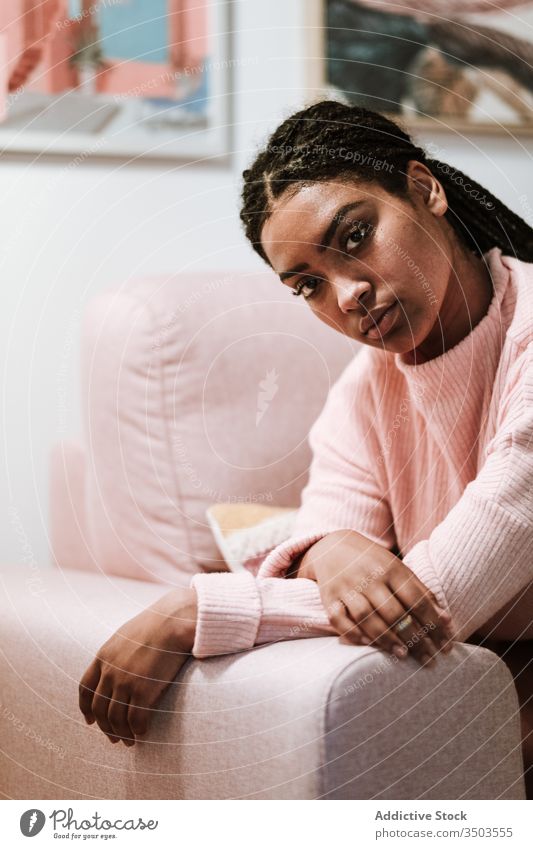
(481, 555)
(237, 611)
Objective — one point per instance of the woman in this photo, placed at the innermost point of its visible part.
(415, 526)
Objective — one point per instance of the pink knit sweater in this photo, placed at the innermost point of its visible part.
(436, 458)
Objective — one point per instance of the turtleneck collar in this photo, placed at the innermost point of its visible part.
(484, 342)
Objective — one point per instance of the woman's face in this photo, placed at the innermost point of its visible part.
(353, 249)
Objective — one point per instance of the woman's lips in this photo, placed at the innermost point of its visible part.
(385, 323)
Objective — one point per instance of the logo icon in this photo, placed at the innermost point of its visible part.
(32, 822)
(268, 388)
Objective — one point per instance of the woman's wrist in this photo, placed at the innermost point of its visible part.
(301, 566)
(315, 559)
(305, 565)
(178, 610)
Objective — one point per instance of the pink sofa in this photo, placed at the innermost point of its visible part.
(199, 388)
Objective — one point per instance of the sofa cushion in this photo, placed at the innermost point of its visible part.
(197, 388)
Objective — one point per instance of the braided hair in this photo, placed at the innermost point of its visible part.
(333, 140)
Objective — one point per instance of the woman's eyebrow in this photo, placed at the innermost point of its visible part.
(330, 231)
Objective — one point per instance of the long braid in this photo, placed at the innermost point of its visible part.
(482, 219)
(332, 140)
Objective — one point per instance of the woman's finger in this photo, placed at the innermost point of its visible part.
(118, 715)
(346, 627)
(414, 636)
(369, 621)
(86, 690)
(421, 603)
(140, 712)
(100, 708)
(387, 606)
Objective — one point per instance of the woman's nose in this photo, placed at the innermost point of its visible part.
(352, 295)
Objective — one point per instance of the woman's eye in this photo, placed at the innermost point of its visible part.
(356, 234)
(306, 283)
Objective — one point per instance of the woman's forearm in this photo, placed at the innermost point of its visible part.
(178, 614)
(121, 687)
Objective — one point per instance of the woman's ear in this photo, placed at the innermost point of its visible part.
(423, 185)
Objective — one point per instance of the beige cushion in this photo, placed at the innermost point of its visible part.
(245, 533)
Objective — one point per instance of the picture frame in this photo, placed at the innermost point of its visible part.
(435, 66)
(142, 79)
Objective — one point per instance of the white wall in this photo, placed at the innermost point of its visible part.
(68, 233)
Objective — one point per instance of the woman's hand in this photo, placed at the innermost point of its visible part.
(366, 590)
(131, 671)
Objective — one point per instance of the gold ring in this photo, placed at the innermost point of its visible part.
(403, 623)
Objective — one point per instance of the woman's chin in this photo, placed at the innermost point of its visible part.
(405, 349)
(403, 341)
(397, 341)
(393, 345)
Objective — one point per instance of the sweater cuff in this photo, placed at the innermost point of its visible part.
(418, 561)
(291, 609)
(229, 612)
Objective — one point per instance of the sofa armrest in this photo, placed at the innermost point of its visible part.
(303, 719)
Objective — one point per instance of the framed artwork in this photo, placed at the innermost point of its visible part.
(463, 64)
(128, 78)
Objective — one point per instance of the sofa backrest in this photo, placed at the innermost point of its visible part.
(197, 388)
